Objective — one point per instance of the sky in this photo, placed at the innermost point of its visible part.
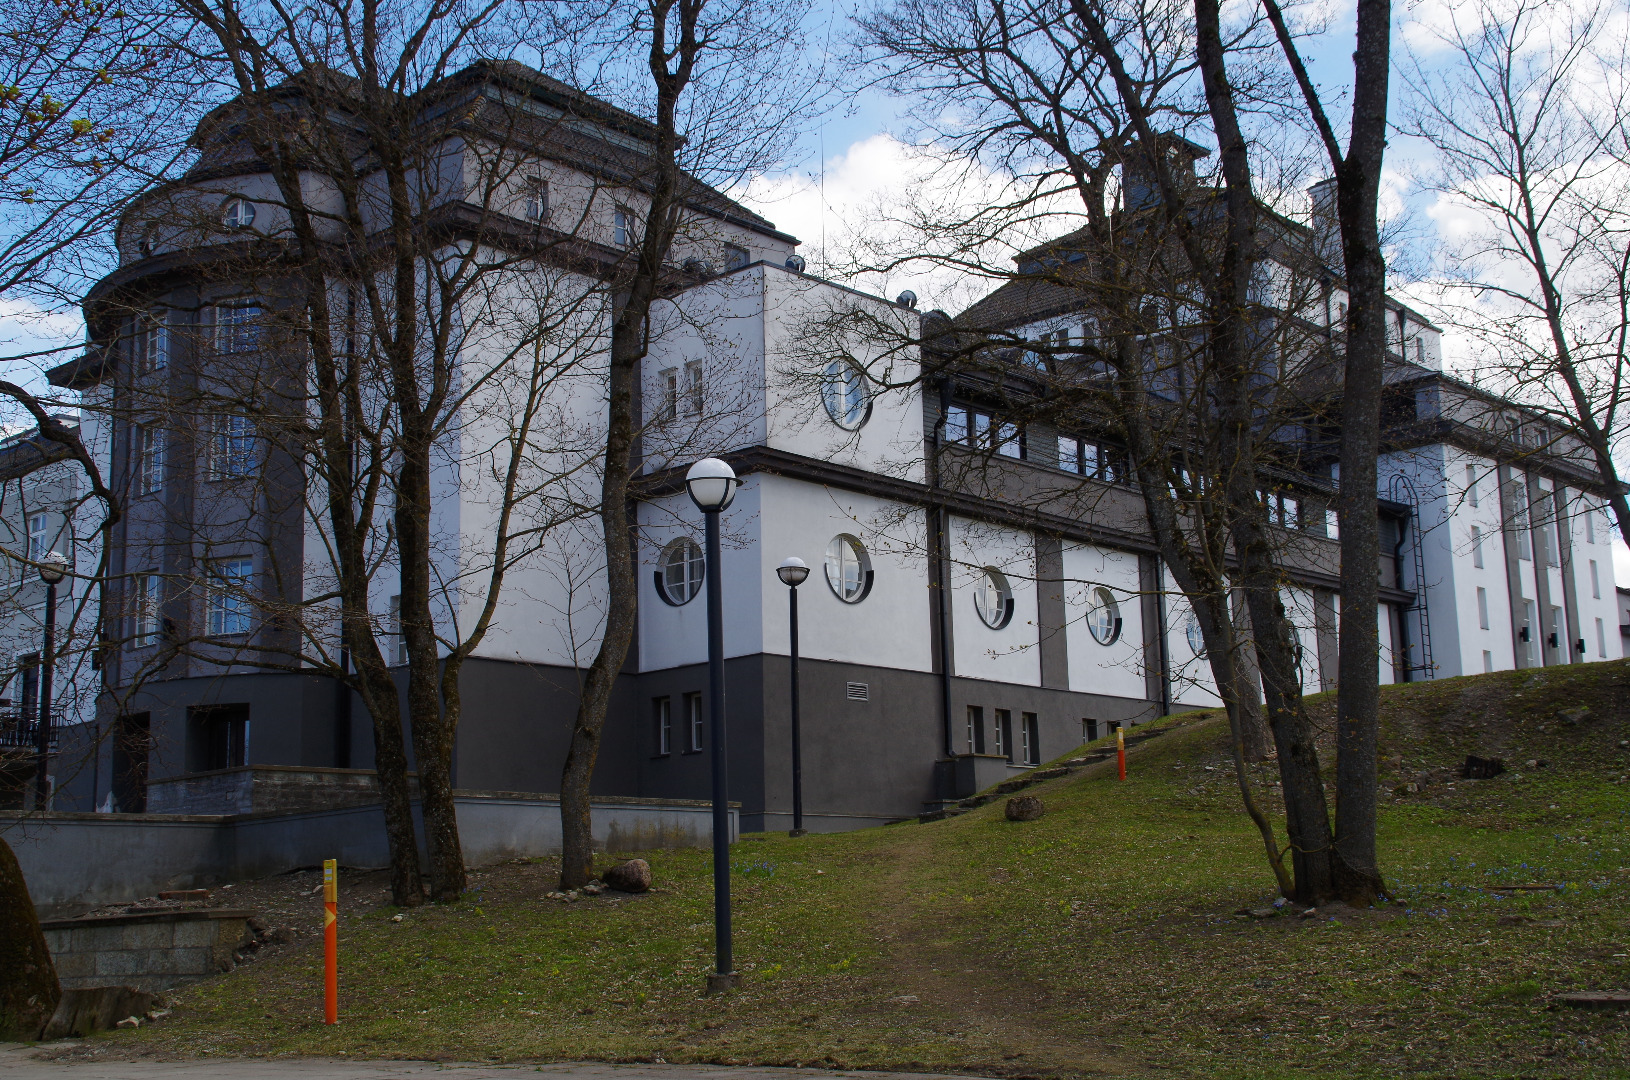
(857, 156)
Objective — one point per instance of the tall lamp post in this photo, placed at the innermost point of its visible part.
(53, 568)
(712, 485)
(792, 573)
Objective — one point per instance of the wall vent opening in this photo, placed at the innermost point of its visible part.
(859, 691)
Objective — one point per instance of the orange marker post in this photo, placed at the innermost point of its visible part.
(331, 942)
(1120, 750)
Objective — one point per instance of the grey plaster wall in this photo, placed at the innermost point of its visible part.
(74, 861)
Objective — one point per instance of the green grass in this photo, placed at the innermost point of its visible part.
(1100, 940)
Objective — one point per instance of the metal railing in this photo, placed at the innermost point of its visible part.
(19, 729)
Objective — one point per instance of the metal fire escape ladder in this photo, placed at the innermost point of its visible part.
(1402, 490)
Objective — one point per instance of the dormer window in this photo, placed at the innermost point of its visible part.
(238, 214)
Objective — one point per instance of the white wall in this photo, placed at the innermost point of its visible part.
(1099, 669)
(893, 627)
(1011, 654)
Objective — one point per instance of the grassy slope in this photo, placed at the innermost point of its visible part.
(1100, 940)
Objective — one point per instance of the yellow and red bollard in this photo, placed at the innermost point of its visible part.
(331, 942)
(1120, 750)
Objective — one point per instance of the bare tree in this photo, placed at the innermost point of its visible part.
(1357, 170)
(1530, 125)
(683, 63)
(1074, 103)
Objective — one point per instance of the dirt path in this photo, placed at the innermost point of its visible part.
(1014, 1016)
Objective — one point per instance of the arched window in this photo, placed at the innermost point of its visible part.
(848, 569)
(680, 573)
(1196, 636)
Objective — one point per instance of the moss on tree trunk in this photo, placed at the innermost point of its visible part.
(28, 979)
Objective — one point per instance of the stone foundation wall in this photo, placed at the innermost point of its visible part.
(262, 789)
(147, 950)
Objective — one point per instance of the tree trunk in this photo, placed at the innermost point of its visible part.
(1358, 695)
(29, 990)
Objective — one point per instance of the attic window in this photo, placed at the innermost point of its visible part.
(734, 257)
(238, 214)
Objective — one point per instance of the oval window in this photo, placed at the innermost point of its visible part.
(1196, 636)
(1103, 616)
(994, 598)
(238, 214)
(847, 397)
(682, 569)
(848, 569)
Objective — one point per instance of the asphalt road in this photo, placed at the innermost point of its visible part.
(60, 1062)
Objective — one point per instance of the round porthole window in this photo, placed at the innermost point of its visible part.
(848, 569)
(238, 214)
(993, 597)
(679, 577)
(847, 396)
(1103, 616)
(1196, 636)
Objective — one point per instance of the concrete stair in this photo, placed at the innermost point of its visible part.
(950, 808)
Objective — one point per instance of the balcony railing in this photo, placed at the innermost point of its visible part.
(18, 729)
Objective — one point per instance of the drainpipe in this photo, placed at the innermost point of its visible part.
(942, 609)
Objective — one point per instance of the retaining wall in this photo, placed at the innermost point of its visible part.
(75, 861)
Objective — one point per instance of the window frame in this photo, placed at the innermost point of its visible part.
(1029, 739)
(846, 394)
(695, 562)
(234, 448)
(1100, 598)
(229, 610)
(662, 719)
(695, 390)
(232, 216)
(836, 550)
(150, 440)
(535, 199)
(147, 610)
(228, 337)
(694, 737)
(622, 226)
(991, 580)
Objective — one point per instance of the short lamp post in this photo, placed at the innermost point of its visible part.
(53, 568)
(712, 485)
(792, 573)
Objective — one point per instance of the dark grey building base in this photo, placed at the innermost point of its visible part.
(146, 950)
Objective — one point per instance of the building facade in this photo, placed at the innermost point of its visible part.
(953, 628)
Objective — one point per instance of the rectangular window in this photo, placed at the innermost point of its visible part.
(735, 257)
(1482, 607)
(1089, 730)
(150, 342)
(669, 379)
(230, 581)
(976, 729)
(1029, 739)
(1601, 639)
(1555, 639)
(231, 447)
(1009, 440)
(1477, 546)
(1488, 661)
(1003, 727)
(146, 611)
(622, 227)
(693, 388)
(537, 199)
(693, 722)
(1332, 524)
(1590, 525)
(1595, 581)
(237, 327)
(1290, 512)
(1069, 454)
(956, 424)
(1471, 485)
(149, 439)
(396, 649)
(665, 725)
(1525, 542)
(39, 538)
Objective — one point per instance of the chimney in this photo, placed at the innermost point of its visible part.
(1139, 180)
(1326, 227)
